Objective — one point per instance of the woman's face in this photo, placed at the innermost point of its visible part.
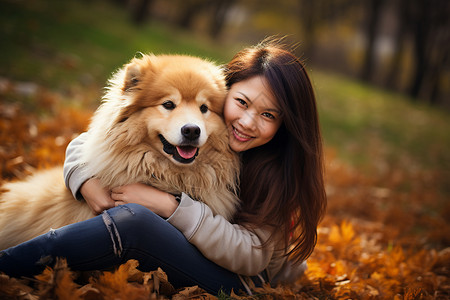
(252, 114)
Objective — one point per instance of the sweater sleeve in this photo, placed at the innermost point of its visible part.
(73, 175)
(229, 245)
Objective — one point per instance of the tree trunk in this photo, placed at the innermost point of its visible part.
(421, 34)
(399, 40)
(308, 19)
(219, 15)
(190, 12)
(140, 11)
(374, 12)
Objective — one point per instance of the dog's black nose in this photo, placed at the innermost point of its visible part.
(190, 131)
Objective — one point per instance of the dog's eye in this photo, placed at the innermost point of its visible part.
(134, 81)
(203, 108)
(169, 105)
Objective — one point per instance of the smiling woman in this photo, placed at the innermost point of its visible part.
(282, 179)
(251, 113)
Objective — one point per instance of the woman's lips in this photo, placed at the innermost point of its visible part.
(240, 136)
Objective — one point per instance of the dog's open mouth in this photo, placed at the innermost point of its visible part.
(184, 153)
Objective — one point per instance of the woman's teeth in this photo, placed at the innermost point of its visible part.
(242, 136)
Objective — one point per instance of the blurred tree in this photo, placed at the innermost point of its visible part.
(373, 10)
(430, 26)
(403, 19)
(309, 18)
(189, 11)
(216, 11)
(121, 2)
(140, 11)
(423, 26)
(219, 15)
(321, 13)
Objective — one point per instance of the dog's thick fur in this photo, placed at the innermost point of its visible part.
(136, 135)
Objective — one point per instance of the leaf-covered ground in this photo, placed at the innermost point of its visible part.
(384, 236)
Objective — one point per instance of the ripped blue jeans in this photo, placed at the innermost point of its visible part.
(125, 232)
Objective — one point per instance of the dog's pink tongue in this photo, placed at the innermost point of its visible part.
(186, 152)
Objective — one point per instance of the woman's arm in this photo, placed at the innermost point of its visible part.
(229, 245)
(161, 203)
(73, 175)
(82, 185)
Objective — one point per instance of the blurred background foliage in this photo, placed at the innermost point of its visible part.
(399, 45)
(402, 45)
(380, 68)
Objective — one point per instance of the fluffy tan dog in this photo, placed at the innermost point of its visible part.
(160, 123)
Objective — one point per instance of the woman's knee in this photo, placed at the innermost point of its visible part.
(124, 222)
(129, 215)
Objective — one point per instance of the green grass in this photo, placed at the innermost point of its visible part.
(61, 43)
(370, 126)
(72, 46)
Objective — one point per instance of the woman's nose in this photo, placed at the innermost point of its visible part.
(248, 120)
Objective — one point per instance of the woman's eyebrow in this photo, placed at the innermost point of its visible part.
(274, 110)
(245, 96)
(267, 109)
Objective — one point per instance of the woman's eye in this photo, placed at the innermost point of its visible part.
(169, 105)
(204, 109)
(241, 102)
(268, 115)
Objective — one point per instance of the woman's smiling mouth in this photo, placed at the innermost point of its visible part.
(240, 136)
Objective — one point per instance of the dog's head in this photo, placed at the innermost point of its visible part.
(171, 102)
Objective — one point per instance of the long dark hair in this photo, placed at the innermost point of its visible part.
(282, 182)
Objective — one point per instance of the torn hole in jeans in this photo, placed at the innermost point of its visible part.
(113, 233)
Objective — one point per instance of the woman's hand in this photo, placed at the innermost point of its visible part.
(97, 197)
(161, 203)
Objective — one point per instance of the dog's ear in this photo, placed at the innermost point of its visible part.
(135, 71)
(132, 75)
